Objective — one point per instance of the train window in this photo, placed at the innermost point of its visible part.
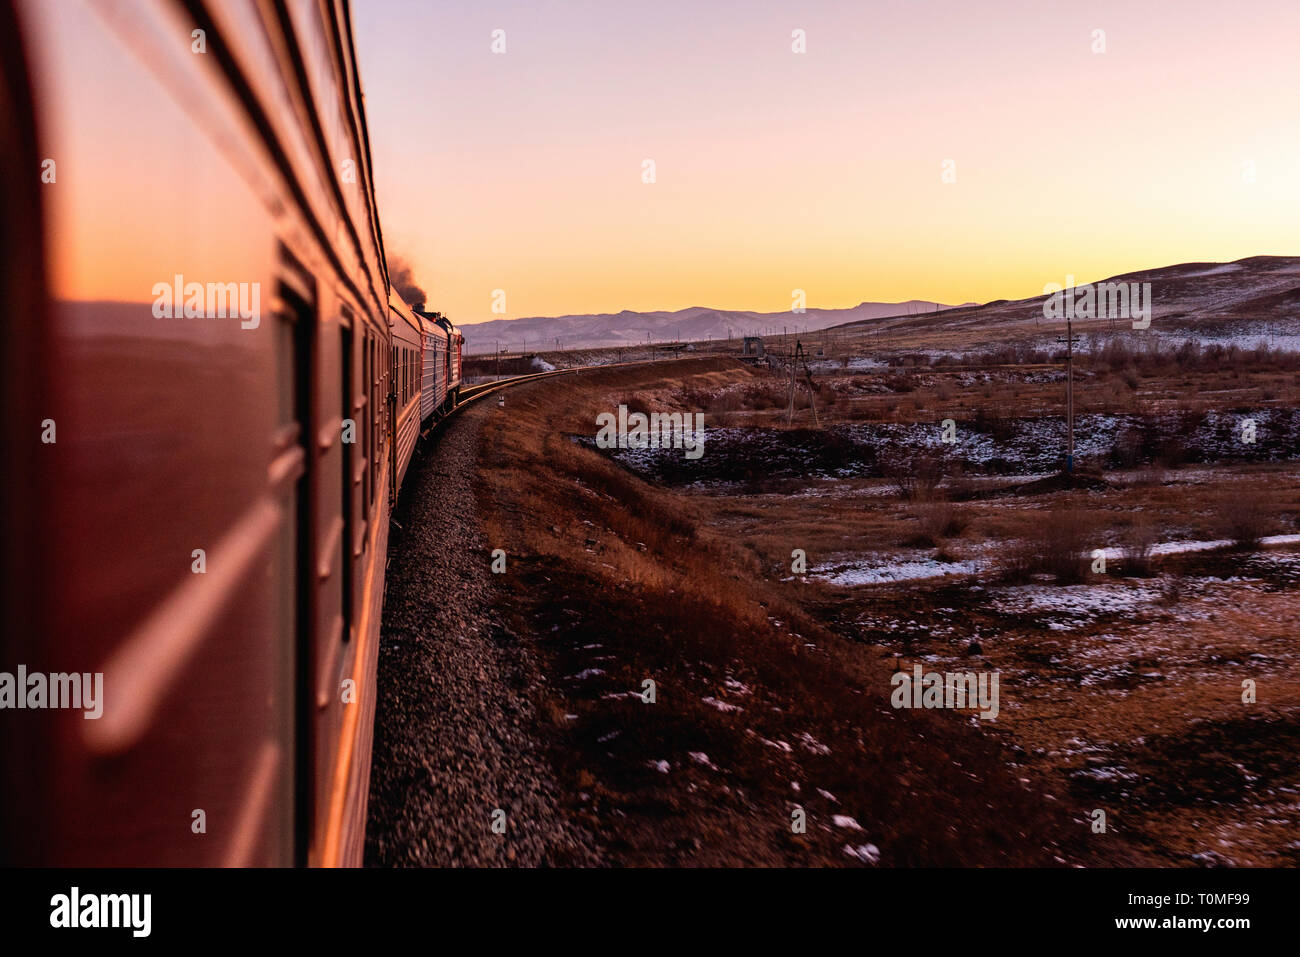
(295, 315)
(375, 412)
(348, 456)
(364, 346)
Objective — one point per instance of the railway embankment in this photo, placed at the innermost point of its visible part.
(460, 774)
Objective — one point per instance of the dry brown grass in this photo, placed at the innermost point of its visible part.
(601, 558)
(937, 521)
(691, 589)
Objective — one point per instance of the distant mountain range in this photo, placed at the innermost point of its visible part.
(1247, 301)
(695, 323)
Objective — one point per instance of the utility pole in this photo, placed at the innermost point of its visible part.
(1069, 393)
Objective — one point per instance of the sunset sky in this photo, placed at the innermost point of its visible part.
(822, 170)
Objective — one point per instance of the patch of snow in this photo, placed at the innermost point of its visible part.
(1074, 604)
(873, 571)
(721, 705)
(867, 853)
(812, 744)
(1178, 548)
(699, 757)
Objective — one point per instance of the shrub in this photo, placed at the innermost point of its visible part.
(917, 474)
(1057, 546)
(1242, 519)
(994, 424)
(938, 520)
(1137, 544)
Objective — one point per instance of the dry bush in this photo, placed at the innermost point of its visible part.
(1243, 518)
(1172, 590)
(938, 521)
(1173, 452)
(900, 383)
(960, 486)
(989, 421)
(1128, 449)
(1137, 542)
(916, 474)
(1058, 545)
(1150, 476)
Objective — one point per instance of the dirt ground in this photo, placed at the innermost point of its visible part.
(1121, 690)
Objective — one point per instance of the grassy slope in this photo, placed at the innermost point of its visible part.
(607, 573)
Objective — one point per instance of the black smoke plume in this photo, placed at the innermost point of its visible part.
(403, 280)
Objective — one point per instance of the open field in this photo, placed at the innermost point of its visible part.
(1120, 689)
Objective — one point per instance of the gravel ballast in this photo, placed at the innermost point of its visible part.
(456, 732)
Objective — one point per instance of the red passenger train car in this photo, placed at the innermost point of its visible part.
(213, 399)
(408, 354)
(442, 366)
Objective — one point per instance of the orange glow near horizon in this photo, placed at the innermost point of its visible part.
(822, 171)
(775, 170)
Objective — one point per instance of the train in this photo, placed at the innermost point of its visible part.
(214, 392)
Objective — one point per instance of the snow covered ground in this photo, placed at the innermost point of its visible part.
(1176, 548)
(877, 568)
(874, 571)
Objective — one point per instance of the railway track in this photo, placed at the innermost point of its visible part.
(476, 392)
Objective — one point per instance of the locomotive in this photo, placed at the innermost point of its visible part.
(197, 498)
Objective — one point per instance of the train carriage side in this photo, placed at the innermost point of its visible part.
(433, 381)
(452, 360)
(212, 513)
(458, 347)
(407, 359)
